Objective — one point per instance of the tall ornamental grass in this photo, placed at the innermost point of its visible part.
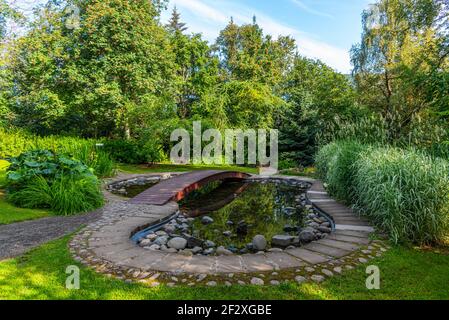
(404, 192)
(334, 163)
(66, 195)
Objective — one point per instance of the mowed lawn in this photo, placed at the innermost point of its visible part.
(406, 273)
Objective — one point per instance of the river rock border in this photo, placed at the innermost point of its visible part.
(106, 247)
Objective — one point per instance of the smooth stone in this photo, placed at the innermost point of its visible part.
(324, 229)
(338, 269)
(222, 251)
(201, 277)
(274, 283)
(363, 260)
(211, 284)
(187, 252)
(327, 272)
(209, 251)
(196, 250)
(306, 236)
(227, 233)
(275, 250)
(144, 242)
(162, 240)
(154, 247)
(259, 242)
(300, 279)
(206, 220)
(317, 278)
(257, 281)
(161, 233)
(151, 236)
(282, 240)
(177, 243)
(209, 244)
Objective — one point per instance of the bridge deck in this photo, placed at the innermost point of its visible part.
(175, 189)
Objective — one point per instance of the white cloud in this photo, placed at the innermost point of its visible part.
(308, 9)
(209, 17)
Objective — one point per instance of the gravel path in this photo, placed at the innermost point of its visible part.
(17, 238)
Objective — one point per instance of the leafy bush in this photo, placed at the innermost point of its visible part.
(134, 151)
(405, 193)
(44, 163)
(43, 179)
(335, 164)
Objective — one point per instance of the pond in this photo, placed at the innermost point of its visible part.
(232, 213)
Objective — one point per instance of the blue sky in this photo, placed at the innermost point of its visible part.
(323, 29)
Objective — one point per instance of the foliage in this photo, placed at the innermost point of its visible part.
(401, 66)
(315, 94)
(65, 195)
(15, 142)
(335, 165)
(132, 151)
(429, 136)
(43, 163)
(404, 192)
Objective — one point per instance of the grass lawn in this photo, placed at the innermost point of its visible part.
(405, 274)
(166, 167)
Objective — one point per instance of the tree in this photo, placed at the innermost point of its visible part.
(401, 65)
(247, 55)
(91, 79)
(196, 67)
(316, 94)
(175, 24)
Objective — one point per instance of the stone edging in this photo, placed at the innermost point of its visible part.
(106, 246)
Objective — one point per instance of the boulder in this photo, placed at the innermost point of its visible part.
(306, 236)
(222, 251)
(282, 240)
(177, 243)
(259, 242)
(162, 240)
(209, 244)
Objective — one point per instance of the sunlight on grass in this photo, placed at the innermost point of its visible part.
(167, 167)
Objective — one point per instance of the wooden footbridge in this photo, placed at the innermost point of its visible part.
(175, 189)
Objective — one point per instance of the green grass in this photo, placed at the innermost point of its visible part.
(406, 273)
(163, 167)
(10, 214)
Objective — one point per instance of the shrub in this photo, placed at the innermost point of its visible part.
(66, 195)
(335, 165)
(134, 151)
(44, 163)
(405, 193)
(15, 142)
(43, 179)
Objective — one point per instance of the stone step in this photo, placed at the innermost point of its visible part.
(350, 239)
(339, 244)
(308, 256)
(324, 249)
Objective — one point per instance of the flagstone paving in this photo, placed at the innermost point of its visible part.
(105, 245)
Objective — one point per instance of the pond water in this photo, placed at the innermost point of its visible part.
(130, 191)
(241, 210)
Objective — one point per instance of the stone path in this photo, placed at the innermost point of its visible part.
(106, 246)
(17, 238)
